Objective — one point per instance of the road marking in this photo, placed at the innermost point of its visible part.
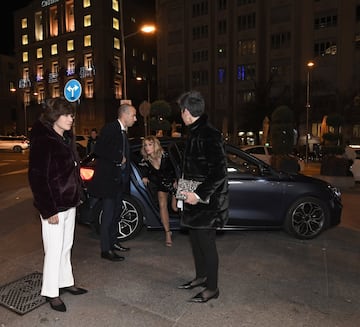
(25, 170)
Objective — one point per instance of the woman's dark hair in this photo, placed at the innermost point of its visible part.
(193, 102)
(54, 108)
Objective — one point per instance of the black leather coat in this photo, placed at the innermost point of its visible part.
(205, 161)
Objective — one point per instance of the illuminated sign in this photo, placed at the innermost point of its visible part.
(46, 3)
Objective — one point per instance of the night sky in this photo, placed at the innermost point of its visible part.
(7, 25)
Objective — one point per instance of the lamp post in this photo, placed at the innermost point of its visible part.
(310, 64)
(123, 37)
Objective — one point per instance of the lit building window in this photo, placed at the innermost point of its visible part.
(89, 89)
(54, 67)
(117, 89)
(116, 24)
(87, 20)
(88, 62)
(54, 50)
(70, 45)
(86, 3)
(41, 96)
(115, 5)
(117, 64)
(221, 75)
(87, 40)
(12, 86)
(24, 23)
(26, 73)
(39, 53)
(69, 16)
(55, 91)
(116, 43)
(25, 56)
(54, 26)
(70, 67)
(24, 39)
(39, 34)
(39, 73)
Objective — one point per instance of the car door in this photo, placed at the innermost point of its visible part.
(255, 191)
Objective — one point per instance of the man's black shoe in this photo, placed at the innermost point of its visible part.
(112, 256)
(119, 247)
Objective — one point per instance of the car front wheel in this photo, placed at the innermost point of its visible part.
(306, 218)
(17, 149)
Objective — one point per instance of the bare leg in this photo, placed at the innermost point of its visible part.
(164, 215)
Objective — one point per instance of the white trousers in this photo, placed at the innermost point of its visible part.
(58, 240)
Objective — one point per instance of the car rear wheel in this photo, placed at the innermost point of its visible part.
(306, 218)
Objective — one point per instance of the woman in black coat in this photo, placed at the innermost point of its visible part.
(205, 209)
(55, 183)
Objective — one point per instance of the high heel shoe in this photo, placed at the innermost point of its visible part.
(167, 242)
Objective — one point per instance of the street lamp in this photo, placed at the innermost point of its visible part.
(144, 29)
(310, 64)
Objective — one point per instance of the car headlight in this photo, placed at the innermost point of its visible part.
(334, 190)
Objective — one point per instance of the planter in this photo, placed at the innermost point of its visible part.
(335, 165)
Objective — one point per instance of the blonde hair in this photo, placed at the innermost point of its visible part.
(158, 149)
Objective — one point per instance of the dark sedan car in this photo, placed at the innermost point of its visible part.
(260, 197)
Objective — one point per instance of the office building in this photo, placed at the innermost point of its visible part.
(59, 40)
(249, 56)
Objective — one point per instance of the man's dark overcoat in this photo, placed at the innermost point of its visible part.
(110, 177)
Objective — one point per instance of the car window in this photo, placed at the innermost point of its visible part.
(270, 150)
(259, 150)
(239, 165)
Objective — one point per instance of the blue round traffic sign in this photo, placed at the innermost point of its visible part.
(72, 90)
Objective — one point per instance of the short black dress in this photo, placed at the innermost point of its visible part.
(162, 179)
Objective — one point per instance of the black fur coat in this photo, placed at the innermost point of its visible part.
(53, 171)
(205, 161)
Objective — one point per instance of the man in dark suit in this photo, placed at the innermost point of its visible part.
(112, 178)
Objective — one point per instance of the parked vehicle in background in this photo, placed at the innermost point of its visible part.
(261, 198)
(264, 153)
(355, 167)
(14, 143)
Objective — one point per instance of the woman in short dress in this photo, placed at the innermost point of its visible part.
(158, 172)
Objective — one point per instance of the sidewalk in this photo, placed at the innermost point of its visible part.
(345, 184)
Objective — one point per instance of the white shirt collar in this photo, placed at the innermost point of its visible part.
(122, 126)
